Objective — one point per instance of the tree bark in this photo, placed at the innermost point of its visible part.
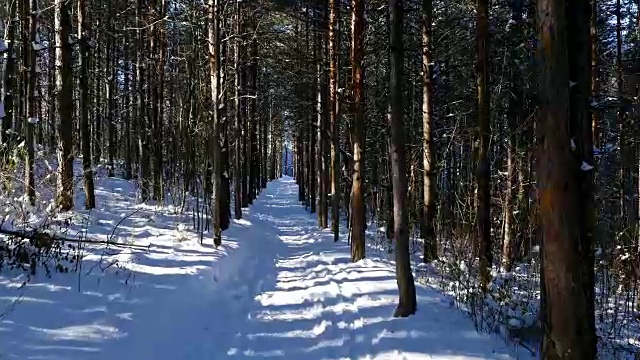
(142, 124)
(358, 138)
(595, 82)
(407, 303)
(483, 166)
(252, 118)
(566, 303)
(84, 32)
(237, 131)
(215, 140)
(64, 90)
(334, 48)
(579, 50)
(9, 77)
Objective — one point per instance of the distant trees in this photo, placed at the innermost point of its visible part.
(474, 180)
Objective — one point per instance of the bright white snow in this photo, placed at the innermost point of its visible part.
(278, 287)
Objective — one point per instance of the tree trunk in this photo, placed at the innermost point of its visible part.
(161, 48)
(254, 166)
(483, 167)
(237, 131)
(274, 158)
(263, 148)
(143, 131)
(595, 82)
(9, 78)
(84, 32)
(111, 105)
(323, 181)
(407, 303)
(334, 48)
(64, 90)
(358, 138)
(97, 117)
(128, 156)
(29, 60)
(215, 140)
(578, 16)
(566, 305)
(225, 212)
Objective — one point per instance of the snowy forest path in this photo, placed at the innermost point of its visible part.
(299, 296)
(278, 287)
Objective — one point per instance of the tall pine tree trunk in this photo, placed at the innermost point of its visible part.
(358, 138)
(9, 77)
(215, 140)
(29, 60)
(64, 90)
(334, 48)
(578, 16)
(142, 124)
(483, 167)
(237, 131)
(566, 303)
(84, 31)
(407, 303)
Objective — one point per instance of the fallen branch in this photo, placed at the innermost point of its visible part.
(43, 239)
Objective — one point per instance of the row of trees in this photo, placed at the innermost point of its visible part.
(497, 181)
(128, 85)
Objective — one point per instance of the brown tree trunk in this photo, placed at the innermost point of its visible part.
(225, 212)
(595, 83)
(111, 88)
(322, 123)
(483, 167)
(64, 90)
(252, 120)
(300, 153)
(30, 75)
(84, 31)
(311, 92)
(273, 171)
(161, 50)
(215, 140)
(128, 155)
(237, 131)
(578, 16)
(407, 303)
(263, 149)
(358, 138)
(9, 77)
(334, 6)
(98, 79)
(566, 303)
(142, 123)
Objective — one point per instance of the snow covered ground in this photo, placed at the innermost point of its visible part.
(278, 287)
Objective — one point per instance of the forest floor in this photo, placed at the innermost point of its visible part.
(277, 287)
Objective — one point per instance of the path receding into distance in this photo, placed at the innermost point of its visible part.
(278, 288)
